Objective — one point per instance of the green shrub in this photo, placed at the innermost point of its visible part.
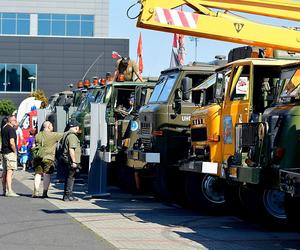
(7, 107)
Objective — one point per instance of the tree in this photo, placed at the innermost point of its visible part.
(40, 95)
(7, 107)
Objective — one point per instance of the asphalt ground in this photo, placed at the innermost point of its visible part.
(126, 221)
(28, 223)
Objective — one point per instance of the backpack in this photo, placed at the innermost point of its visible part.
(37, 151)
(59, 154)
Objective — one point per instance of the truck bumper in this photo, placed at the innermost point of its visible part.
(143, 156)
(290, 181)
(244, 174)
(200, 167)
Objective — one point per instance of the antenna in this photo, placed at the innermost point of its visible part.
(92, 65)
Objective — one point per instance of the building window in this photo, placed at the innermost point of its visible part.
(15, 23)
(18, 77)
(65, 25)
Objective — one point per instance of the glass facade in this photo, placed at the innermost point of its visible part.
(65, 25)
(18, 77)
(14, 24)
(48, 24)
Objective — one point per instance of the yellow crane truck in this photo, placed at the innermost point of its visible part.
(252, 133)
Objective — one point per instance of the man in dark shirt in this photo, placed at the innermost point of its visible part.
(9, 151)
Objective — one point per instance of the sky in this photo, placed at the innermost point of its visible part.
(157, 45)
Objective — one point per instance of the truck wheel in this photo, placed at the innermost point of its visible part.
(273, 202)
(264, 204)
(205, 192)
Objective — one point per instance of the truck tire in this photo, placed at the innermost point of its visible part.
(264, 204)
(205, 192)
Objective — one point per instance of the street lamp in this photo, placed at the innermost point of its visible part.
(32, 81)
(195, 39)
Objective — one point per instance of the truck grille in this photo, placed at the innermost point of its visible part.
(199, 134)
(246, 134)
(145, 128)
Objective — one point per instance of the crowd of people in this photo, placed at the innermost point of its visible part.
(17, 151)
(45, 142)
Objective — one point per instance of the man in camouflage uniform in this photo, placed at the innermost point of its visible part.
(47, 139)
(71, 158)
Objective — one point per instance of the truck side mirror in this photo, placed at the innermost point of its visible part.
(138, 97)
(177, 102)
(186, 86)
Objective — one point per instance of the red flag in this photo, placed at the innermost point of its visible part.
(181, 49)
(115, 55)
(175, 40)
(139, 54)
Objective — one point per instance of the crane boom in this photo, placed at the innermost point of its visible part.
(164, 15)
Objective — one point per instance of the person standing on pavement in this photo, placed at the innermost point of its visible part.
(71, 155)
(30, 145)
(47, 140)
(9, 153)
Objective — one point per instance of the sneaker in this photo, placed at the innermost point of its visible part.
(69, 198)
(11, 194)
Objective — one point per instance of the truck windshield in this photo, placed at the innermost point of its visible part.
(163, 88)
(290, 82)
(99, 97)
(90, 97)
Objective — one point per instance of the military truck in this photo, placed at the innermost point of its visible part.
(62, 106)
(122, 99)
(120, 110)
(164, 131)
(252, 88)
(265, 162)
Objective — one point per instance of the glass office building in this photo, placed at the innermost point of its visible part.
(50, 44)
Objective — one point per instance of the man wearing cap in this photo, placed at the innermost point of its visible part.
(71, 155)
(126, 67)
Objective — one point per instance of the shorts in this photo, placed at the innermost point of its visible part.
(43, 166)
(10, 161)
(23, 159)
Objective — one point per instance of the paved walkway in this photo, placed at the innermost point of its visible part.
(132, 222)
(36, 224)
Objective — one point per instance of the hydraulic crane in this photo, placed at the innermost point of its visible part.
(257, 181)
(168, 16)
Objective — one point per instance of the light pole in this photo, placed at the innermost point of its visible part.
(32, 81)
(195, 40)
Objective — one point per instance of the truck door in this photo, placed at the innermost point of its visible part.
(183, 119)
(236, 106)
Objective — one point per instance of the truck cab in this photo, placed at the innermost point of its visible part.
(164, 131)
(252, 88)
(123, 101)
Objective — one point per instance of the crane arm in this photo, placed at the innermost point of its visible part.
(163, 15)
